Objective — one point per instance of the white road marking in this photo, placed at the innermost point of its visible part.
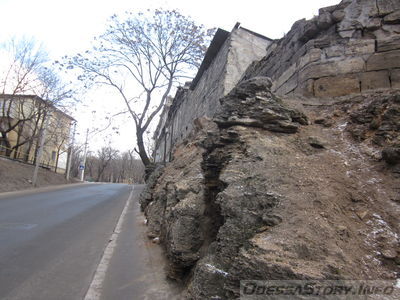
(21, 226)
(94, 291)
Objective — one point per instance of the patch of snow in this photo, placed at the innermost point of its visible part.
(342, 126)
(380, 229)
(214, 269)
(379, 219)
(373, 180)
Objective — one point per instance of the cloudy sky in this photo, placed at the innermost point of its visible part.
(68, 27)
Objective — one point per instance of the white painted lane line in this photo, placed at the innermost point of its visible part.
(94, 291)
(21, 226)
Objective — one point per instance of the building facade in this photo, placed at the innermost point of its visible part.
(24, 119)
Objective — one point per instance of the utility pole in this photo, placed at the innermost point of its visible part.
(69, 160)
(82, 165)
(40, 152)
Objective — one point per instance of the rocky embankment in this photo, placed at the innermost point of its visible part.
(281, 189)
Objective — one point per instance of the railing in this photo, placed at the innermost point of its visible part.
(20, 158)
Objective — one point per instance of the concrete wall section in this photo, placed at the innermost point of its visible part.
(246, 47)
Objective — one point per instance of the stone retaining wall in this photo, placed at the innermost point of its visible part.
(221, 70)
(348, 48)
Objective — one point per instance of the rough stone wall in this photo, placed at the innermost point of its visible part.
(241, 48)
(293, 187)
(190, 104)
(348, 48)
(276, 189)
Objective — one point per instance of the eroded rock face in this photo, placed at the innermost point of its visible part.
(378, 119)
(257, 193)
(251, 103)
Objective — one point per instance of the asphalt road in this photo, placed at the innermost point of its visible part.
(51, 241)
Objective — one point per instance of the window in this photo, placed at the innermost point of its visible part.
(53, 155)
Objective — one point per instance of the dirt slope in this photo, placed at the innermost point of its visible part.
(15, 176)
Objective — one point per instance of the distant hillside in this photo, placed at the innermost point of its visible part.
(15, 176)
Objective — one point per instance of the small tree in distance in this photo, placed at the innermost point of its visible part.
(142, 57)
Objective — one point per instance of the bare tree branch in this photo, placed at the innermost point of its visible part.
(143, 56)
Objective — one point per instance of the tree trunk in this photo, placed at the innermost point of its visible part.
(28, 151)
(19, 133)
(56, 166)
(142, 150)
(58, 157)
(35, 153)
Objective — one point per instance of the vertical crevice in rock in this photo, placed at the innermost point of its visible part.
(213, 162)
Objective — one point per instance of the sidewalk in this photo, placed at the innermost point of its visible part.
(136, 269)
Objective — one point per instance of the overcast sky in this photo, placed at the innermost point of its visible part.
(68, 27)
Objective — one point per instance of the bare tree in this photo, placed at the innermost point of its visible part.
(24, 60)
(110, 166)
(143, 56)
(30, 91)
(76, 158)
(14, 113)
(105, 155)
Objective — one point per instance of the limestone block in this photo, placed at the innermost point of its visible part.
(347, 33)
(310, 30)
(384, 60)
(311, 56)
(358, 34)
(322, 43)
(333, 68)
(305, 88)
(375, 80)
(324, 20)
(288, 86)
(284, 77)
(387, 44)
(309, 45)
(391, 29)
(329, 9)
(358, 47)
(336, 86)
(358, 15)
(350, 21)
(386, 7)
(393, 18)
(395, 78)
(334, 51)
(299, 53)
(368, 9)
(372, 23)
(338, 15)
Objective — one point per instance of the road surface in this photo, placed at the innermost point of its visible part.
(53, 245)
